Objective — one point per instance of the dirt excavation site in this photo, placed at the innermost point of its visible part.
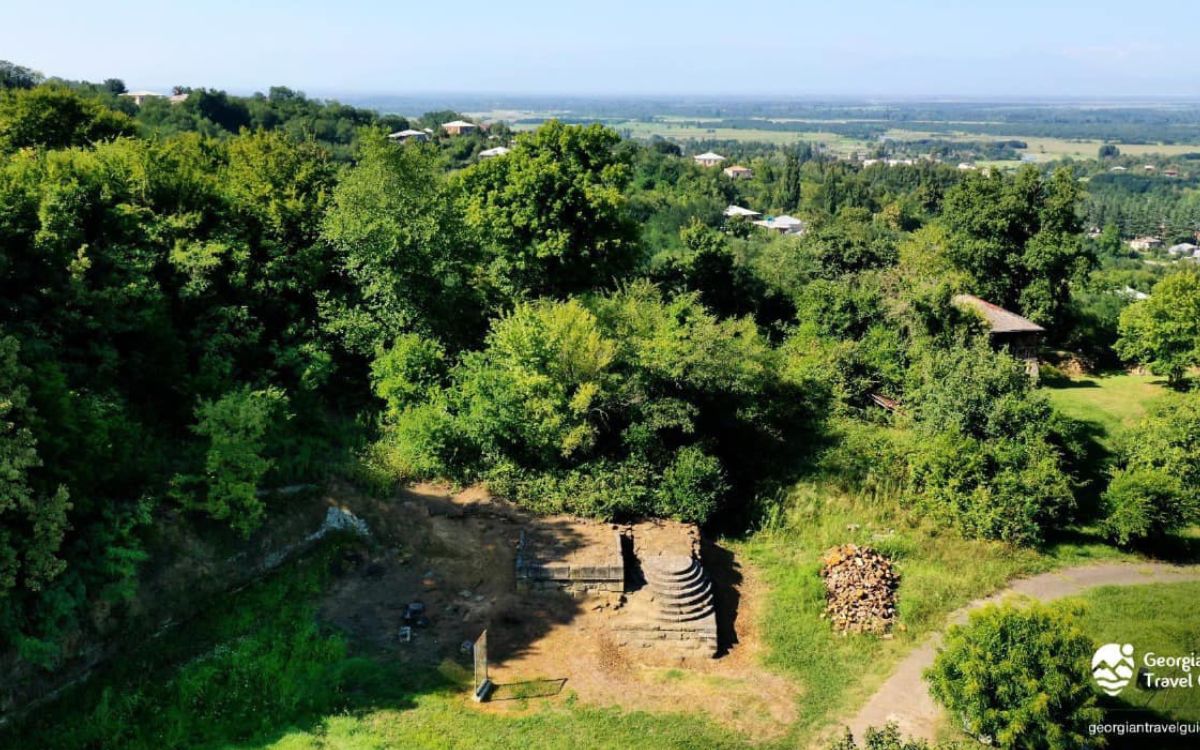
(647, 616)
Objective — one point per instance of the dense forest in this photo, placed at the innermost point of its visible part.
(205, 300)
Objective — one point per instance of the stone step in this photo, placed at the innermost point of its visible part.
(686, 616)
(703, 591)
(655, 578)
(669, 565)
(704, 605)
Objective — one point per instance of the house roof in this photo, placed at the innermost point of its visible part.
(407, 133)
(459, 124)
(142, 93)
(497, 151)
(739, 211)
(998, 319)
(709, 155)
(737, 168)
(1182, 247)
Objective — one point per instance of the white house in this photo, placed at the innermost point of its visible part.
(782, 224)
(491, 153)
(709, 159)
(139, 97)
(732, 211)
(738, 172)
(403, 136)
(1183, 249)
(458, 127)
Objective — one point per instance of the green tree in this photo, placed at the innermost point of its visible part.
(32, 523)
(237, 428)
(56, 117)
(1017, 240)
(1019, 677)
(991, 460)
(1155, 488)
(1163, 332)
(13, 76)
(399, 240)
(1109, 151)
(551, 214)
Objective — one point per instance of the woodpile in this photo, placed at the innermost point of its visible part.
(860, 589)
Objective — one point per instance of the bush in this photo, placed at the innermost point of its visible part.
(993, 458)
(887, 738)
(1005, 489)
(1156, 488)
(238, 428)
(1018, 678)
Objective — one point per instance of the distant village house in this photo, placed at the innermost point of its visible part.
(738, 211)
(1145, 243)
(459, 127)
(738, 172)
(782, 224)
(141, 97)
(404, 136)
(1020, 336)
(709, 159)
(492, 153)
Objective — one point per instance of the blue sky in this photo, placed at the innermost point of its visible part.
(754, 47)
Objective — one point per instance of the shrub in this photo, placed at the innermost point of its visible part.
(990, 454)
(237, 428)
(1018, 678)
(887, 738)
(1156, 488)
(1143, 504)
(691, 486)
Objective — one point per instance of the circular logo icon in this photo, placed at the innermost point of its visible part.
(1112, 667)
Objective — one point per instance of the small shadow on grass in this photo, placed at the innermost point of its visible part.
(515, 691)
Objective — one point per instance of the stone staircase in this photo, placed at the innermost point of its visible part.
(675, 609)
(679, 587)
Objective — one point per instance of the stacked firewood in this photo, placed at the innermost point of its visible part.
(860, 587)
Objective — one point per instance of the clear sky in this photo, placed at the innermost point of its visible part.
(757, 47)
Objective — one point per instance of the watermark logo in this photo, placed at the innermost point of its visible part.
(1112, 667)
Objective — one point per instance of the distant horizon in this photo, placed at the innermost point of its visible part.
(1027, 49)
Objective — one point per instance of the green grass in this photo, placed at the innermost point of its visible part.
(1111, 403)
(940, 572)
(1159, 618)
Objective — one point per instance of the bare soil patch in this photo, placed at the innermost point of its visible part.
(455, 553)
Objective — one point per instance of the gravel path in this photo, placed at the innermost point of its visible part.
(904, 698)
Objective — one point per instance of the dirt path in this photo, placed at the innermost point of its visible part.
(904, 698)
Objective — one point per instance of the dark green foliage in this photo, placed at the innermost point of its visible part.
(614, 405)
(1019, 678)
(1017, 240)
(550, 214)
(13, 76)
(1156, 486)
(56, 117)
(887, 738)
(992, 459)
(1163, 332)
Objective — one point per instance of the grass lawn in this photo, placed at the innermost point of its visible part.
(1111, 403)
(1154, 618)
(940, 571)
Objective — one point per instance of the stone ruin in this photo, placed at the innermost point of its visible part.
(578, 559)
(652, 571)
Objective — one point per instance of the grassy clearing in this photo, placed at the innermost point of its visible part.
(940, 571)
(1111, 403)
(1154, 618)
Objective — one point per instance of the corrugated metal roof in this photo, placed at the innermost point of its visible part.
(998, 319)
